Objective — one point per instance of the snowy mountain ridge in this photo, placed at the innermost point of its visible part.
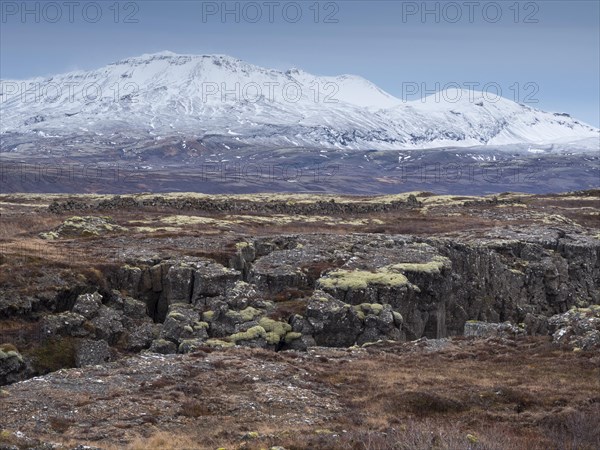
(167, 94)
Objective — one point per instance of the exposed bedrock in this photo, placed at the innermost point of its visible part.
(434, 284)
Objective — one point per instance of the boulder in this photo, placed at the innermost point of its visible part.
(64, 324)
(108, 324)
(212, 279)
(178, 284)
(255, 336)
(474, 328)
(88, 305)
(225, 322)
(380, 323)
(140, 337)
(12, 367)
(183, 322)
(335, 323)
(135, 309)
(89, 352)
(578, 328)
(163, 347)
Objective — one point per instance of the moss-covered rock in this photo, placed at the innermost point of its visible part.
(246, 315)
(276, 330)
(88, 226)
(163, 347)
(248, 335)
(190, 345)
(292, 336)
(219, 343)
(434, 266)
(360, 279)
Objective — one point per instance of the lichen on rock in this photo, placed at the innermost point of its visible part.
(87, 226)
(360, 279)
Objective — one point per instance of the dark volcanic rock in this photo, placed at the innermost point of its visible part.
(12, 367)
(578, 328)
(335, 323)
(90, 353)
(88, 305)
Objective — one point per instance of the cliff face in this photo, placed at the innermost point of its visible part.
(435, 284)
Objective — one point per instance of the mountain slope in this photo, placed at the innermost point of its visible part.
(166, 94)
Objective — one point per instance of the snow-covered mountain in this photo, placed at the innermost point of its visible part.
(166, 94)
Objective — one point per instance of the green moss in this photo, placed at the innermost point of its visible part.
(275, 326)
(432, 267)
(245, 315)
(369, 308)
(397, 317)
(292, 336)
(188, 328)
(248, 335)
(273, 338)
(360, 279)
(208, 315)
(176, 315)
(189, 345)
(200, 325)
(218, 343)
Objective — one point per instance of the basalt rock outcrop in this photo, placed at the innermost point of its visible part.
(199, 203)
(297, 291)
(435, 285)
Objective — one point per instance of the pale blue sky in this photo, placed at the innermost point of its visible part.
(560, 53)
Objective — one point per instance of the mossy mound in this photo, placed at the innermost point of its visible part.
(365, 309)
(361, 279)
(250, 334)
(87, 226)
(245, 315)
(434, 266)
(275, 330)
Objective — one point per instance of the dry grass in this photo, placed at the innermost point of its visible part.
(160, 440)
(487, 395)
(26, 224)
(194, 408)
